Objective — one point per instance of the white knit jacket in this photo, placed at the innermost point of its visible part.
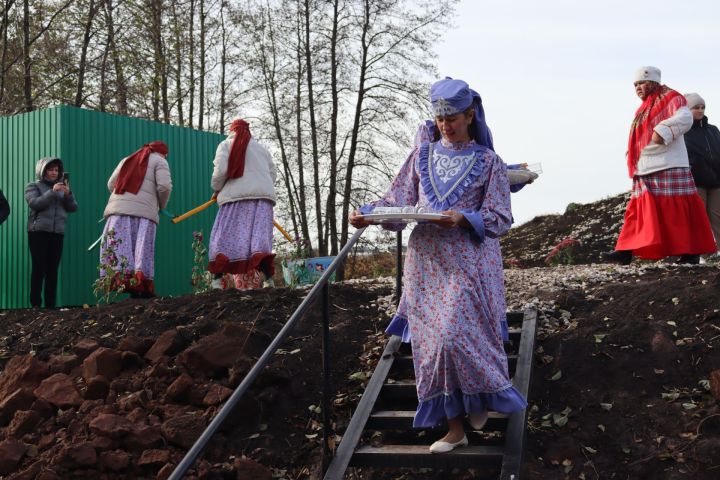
(672, 153)
(258, 180)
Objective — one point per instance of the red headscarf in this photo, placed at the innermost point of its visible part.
(236, 162)
(658, 106)
(133, 170)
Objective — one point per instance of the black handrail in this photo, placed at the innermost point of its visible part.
(264, 360)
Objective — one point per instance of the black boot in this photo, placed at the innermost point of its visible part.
(689, 259)
(623, 257)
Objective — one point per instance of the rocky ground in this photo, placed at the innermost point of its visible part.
(626, 380)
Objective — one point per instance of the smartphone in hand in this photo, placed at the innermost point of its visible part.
(66, 179)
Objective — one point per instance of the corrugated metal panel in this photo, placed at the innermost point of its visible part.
(91, 144)
(24, 139)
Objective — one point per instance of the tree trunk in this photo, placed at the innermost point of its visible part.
(191, 40)
(347, 188)
(121, 85)
(322, 248)
(201, 102)
(104, 96)
(27, 84)
(5, 21)
(302, 197)
(92, 9)
(178, 65)
(330, 212)
(223, 66)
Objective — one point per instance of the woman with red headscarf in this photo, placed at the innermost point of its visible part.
(140, 186)
(665, 216)
(244, 182)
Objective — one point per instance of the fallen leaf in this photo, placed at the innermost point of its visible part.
(557, 376)
(606, 406)
(590, 450)
(689, 406)
(601, 427)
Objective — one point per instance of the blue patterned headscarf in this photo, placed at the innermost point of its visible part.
(449, 97)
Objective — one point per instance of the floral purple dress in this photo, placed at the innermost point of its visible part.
(453, 303)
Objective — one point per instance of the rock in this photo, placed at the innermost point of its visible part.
(215, 353)
(663, 345)
(78, 455)
(180, 388)
(24, 371)
(216, 395)
(43, 407)
(154, 458)
(134, 400)
(103, 361)
(183, 430)
(98, 388)
(715, 384)
(11, 452)
(63, 363)
(17, 400)
(131, 343)
(85, 347)
(103, 443)
(168, 343)
(109, 425)
(143, 437)
(137, 416)
(115, 460)
(160, 369)
(30, 473)
(59, 390)
(131, 361)
(247, 469)
(165, 472)
(23, 422)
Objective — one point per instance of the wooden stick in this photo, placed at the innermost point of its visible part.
(192, 212)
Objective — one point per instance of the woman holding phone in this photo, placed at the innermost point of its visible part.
(50, 200)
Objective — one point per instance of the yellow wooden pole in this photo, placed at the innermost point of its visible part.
(192, 212)
(205, 205)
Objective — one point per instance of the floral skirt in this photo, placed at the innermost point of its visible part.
(134, 248)
(241, 238)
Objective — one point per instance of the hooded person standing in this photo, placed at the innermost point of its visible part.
(244, 183)
(140, 187)
(703, 147)
(665, 216)
(50, 200)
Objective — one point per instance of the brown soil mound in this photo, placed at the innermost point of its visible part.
(594, 225)
(122, 391)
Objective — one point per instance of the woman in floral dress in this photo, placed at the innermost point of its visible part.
(453, 304)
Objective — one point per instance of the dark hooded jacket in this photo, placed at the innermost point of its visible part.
(48, 209)
(4, 208)
(703, 146)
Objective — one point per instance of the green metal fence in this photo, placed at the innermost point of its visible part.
(90, 145)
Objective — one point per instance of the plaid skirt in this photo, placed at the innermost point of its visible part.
(665, 217)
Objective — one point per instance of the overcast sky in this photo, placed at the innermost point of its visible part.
(556, 81)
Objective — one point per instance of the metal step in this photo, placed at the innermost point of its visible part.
(405, 363)
(403, 420)
(419, 456)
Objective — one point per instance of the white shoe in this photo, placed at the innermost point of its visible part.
(217, 284)
(269, 283)
(444, 447)
(478, 420)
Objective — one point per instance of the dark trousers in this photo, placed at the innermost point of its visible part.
(45, 250)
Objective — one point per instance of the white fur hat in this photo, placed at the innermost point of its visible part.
(643, 74)
(694, 99)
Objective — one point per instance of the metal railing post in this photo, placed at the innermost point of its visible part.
(398, 268)
(326, 364)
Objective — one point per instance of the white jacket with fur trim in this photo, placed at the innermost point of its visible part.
(672, 153)
(258, 180)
